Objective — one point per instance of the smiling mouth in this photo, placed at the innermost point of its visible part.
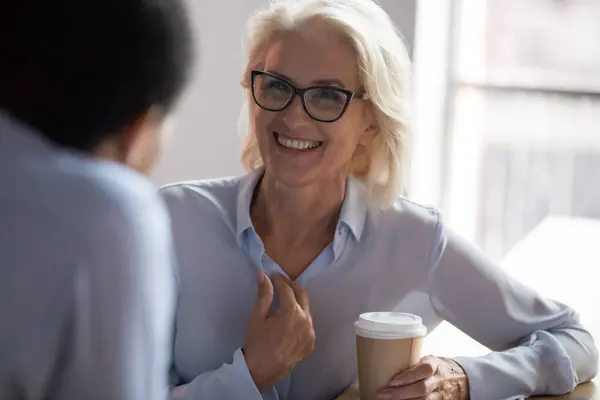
(295, 144)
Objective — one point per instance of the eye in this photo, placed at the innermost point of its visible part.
(274, 85)
(329, 94)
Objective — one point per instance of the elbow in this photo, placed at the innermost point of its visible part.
(587, 365)
(593, 360)
(582, 350)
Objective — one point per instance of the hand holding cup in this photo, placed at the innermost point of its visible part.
(432, 378)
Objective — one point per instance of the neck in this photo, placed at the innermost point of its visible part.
(294, 214)
(108, 150)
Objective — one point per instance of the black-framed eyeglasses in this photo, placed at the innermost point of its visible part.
(321, 103)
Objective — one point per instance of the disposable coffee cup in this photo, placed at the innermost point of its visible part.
(387, 343)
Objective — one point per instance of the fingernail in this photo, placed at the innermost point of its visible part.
(397, 382)
(260, 276)
(383, 396)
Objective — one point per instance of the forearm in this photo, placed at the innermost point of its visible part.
(540, 346)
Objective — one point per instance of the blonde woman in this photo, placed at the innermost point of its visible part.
(327, 85)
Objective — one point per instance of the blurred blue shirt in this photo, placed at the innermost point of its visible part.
(86, 284)
(402, 259)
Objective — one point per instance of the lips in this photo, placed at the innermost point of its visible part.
(297, 144)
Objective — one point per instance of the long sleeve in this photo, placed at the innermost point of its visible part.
(231, 381)
(539, 346)
(119, 329)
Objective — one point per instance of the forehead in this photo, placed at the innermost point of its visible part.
(305, 57)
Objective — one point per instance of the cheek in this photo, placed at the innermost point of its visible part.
(261, 120)
(167, 132)
(258, 117)
(152, 152)
(144, 153)
(256, 113)
(344, 136)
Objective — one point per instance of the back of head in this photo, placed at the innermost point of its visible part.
(384, 68)
(79, 71)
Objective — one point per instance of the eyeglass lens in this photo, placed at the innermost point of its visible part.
(322, 103)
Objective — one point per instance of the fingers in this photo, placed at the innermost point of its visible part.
(299, 293)
(418, 382)
(426, 368)
(264, 297)
(424, 389)
(302, 298)
(287, 297)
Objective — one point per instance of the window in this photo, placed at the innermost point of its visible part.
(523, 127)
(508, 98)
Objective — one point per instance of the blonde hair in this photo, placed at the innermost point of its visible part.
(384, 68)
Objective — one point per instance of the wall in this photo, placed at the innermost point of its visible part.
(206, 143)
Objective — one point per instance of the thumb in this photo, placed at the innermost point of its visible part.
(264, 296)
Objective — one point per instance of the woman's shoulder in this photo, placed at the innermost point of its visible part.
(408, 212)
(406, 221)
(408, 229)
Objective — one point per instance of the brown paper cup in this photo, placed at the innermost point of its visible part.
(386, 344)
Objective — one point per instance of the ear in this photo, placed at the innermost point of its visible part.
(371, 129)
(369, 133)
(142, 141)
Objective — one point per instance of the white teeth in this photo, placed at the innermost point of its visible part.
(297, 144)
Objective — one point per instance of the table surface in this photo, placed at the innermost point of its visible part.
(587, 391)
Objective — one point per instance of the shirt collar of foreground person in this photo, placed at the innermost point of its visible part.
(399, 259)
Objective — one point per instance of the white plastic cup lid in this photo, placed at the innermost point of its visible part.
(390, 325)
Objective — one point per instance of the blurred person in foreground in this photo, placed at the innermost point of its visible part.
(327, 90)
(86, 284)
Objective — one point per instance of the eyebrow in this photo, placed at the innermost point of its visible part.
(324, 82)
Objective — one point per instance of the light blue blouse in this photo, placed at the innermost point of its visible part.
(86, 282)
(401, 259)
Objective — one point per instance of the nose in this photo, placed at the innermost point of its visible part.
(294, 114)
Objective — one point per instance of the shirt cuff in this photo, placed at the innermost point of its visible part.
(231, 381)
(490, 380)
(538, 366)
